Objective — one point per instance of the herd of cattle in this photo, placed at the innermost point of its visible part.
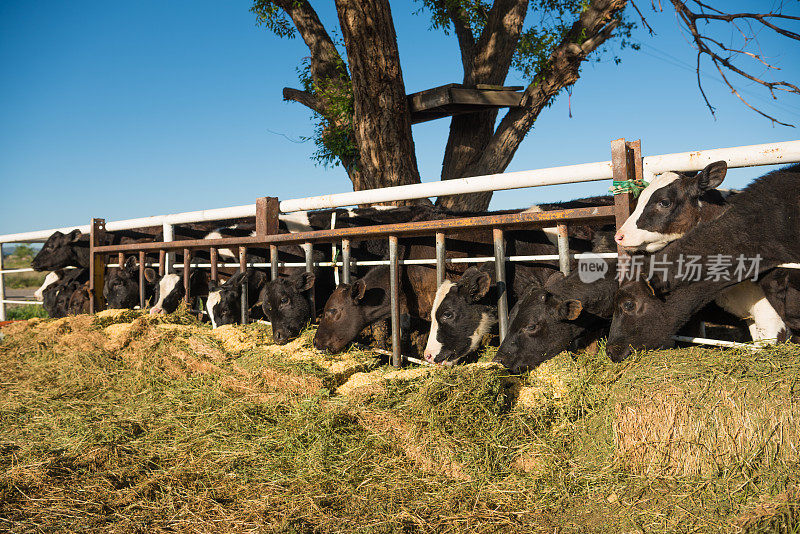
(677, 216)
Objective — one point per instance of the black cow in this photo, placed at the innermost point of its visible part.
(286, 304)
(761, 224)
(121, 288)
(63, 250)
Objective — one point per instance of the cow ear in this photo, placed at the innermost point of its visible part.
(130, 264)
(709, 178)
(74, 235)
(358, 289)
(150, 275)
(474, 283)
(304, 281)
(570, 309)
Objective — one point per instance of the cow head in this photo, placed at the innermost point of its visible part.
(224, 302)
(60, 250)
(350, 309)
(286, 305)
(121, 289)
(541, 325)
(642, 320)
(169, 292)
(458, 319)
(669, 207)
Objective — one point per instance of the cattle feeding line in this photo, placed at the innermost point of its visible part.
(626, 164)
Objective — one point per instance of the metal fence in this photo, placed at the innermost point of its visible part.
(626, 164)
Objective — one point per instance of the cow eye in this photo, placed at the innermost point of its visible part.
(446, 316)
(531, 329)
(285, 300)
(664, 203)
(627, 305)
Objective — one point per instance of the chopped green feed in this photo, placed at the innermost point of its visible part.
(135, 423)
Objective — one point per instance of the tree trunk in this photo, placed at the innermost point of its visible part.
(382, 120)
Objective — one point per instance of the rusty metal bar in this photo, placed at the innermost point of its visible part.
(309, 251)
(626, 164)
(214, 254)
(162, 262)
(97, 265)
(245, 300)
(345, 261)
(121, 259)
(500, 273)
(418, 228)
(141, 279)
(187, 258)
(563, 248)
(273, 262)
(441, 252)
(394, 296)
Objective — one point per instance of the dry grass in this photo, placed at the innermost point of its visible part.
(132, 423)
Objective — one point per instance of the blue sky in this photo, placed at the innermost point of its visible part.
(128, 109)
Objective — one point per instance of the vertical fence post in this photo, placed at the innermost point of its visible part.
(345, 261)
(309, 250)
(273, 262)
(563, 248)
(187, 284)
(394, 301)
(169, 257)
(440, 255)
(214, 255)
(500, 273)
(2, 287)
(245, 286)
(162, 262)
(626, 164)
(97, 265)
(141, 279)
(120, 260)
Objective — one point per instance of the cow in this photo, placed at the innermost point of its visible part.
(63, 250)
(121, 288)
(564, 314)
(224, 301)
(674, 203)
(169, 290)
(462, 314)
(56, 296)
(286, 305)
(761, 224)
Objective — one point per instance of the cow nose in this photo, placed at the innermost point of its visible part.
(428, 357)
(280, 337)
(619, 237)
(156, 311)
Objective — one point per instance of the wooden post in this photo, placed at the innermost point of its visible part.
(267, 211)
(162, 262)
(97, 265)
(214, 264)
(626, 164)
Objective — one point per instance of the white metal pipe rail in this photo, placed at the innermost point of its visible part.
(742, 156)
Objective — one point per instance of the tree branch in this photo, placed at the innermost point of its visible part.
(498, 41)
(595, 25)
(704, 45)
(305, 98)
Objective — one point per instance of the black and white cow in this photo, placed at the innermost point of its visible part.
(762, 222)
(224, 301)
(49, 280)
(169, 290)
(673, 204)
(56, 296)
(463, 313)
